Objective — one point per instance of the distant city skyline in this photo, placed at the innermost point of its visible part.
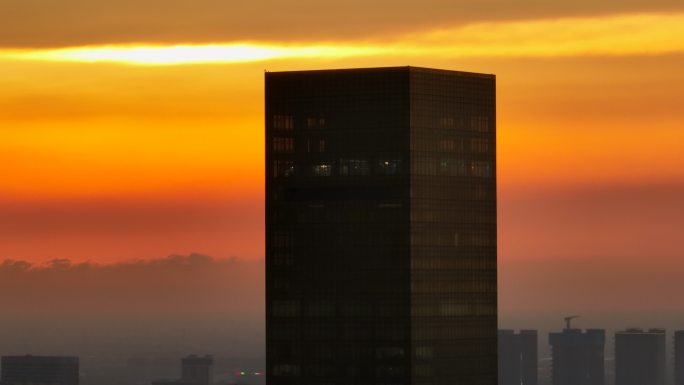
(629, 356)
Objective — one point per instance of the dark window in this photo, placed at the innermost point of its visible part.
(283, 144)
(283, 168)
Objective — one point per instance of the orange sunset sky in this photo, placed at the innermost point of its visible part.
(134, 129)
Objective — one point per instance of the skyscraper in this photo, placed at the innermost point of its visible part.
(640, 357)
(509, 358)
(380, 227)
(578, 357)
(529, 360)
(679, 357)
(21, 370)
(518, 362)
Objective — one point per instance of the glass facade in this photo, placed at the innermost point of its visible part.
(380, 227)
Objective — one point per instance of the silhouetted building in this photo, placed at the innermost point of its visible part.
(510, 366)
(640, 357)
(518, 362)
(529, 357)
(578, 357)
(197, 370)
(24, 370)
(679, 357)
(380, 227)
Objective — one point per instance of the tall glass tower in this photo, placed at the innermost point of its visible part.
(381, 227)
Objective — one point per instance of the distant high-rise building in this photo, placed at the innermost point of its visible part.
(529, 357)
(679, 357)
(380, 227)
(640, 357)
(24, 370)
(578, 357)
(197, 370)
(509, 358)
(518, 357)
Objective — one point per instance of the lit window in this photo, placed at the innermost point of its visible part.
(388, 166)
(321, 170)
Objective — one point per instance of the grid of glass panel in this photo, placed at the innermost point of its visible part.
(337, 227)
(380, 227)
(453, 228)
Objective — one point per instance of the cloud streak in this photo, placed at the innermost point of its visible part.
(56, 23)
(616, 35)
(193, 54)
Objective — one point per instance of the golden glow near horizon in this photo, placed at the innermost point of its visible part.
(631, 34)
(108, 125)
(186, 54)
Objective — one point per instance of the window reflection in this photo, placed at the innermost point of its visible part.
(388, 166)
(354, 167)
(321, 170)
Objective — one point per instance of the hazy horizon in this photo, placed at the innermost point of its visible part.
(183, 304)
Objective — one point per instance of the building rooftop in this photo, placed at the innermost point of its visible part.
(398, 68)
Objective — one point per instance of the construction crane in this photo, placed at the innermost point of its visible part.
(568, 319)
